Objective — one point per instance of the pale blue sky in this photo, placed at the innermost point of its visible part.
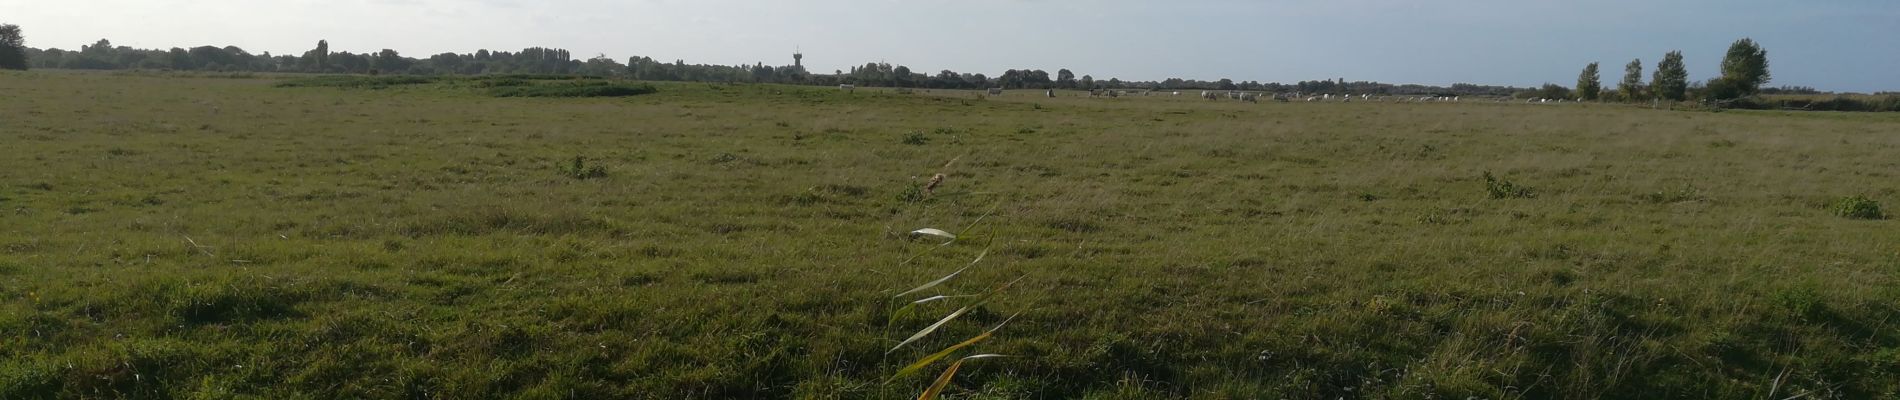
(1847, 45)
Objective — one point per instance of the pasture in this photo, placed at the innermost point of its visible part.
(197, 237)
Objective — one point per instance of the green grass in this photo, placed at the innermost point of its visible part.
(173, 237)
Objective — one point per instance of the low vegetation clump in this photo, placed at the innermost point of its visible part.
(1857, 207)
(578, 89)
(915, 138)
(579, 170)
(1864, 103)
(359, 81)
(1498, 188)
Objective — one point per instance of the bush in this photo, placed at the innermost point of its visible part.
(1888, 103)
(916, 139)
(1857, 207)
(358, 82)
(502, 82)
(577, 89)
(1503, 189)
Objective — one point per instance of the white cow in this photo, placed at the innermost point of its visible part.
(996, 91)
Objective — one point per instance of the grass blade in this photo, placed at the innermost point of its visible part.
(931, 328)
(934, 232)
(939, 281)
(944, 380)
(946, 278)
(906, 310)
(927, 360)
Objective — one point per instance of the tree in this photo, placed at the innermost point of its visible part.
(1632, 86)
(1088, 82)
(317, 60)
(12, 48)
(1553, 91)
(390, 62)
(1744, 70)
(1671, 81)
(1589, 84)
(900, 76)
(1065, 79)
(323, 54)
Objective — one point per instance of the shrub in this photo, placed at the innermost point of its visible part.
(1503, 189)
(358, 82)
(916, 139)
(577, 89)
(502, 82)
(1857, 207)
(1887, 103)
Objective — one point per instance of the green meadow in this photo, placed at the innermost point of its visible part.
(174, 236)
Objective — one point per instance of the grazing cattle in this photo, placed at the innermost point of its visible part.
(1250, 97)
(1209, 95)
(1329, 97)
(1050, 92)
(848, 88)
(996, 91)
(1177, 93)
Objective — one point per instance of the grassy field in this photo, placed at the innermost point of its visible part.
(171, 237)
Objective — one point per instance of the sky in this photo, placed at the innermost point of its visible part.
(1839, 45)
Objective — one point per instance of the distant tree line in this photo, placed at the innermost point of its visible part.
(1744, 72)
(103, 55)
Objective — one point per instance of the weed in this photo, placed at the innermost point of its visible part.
(912, 193)
(915, 138)
(1857, 207)
(579, 170)
(1504, 189)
